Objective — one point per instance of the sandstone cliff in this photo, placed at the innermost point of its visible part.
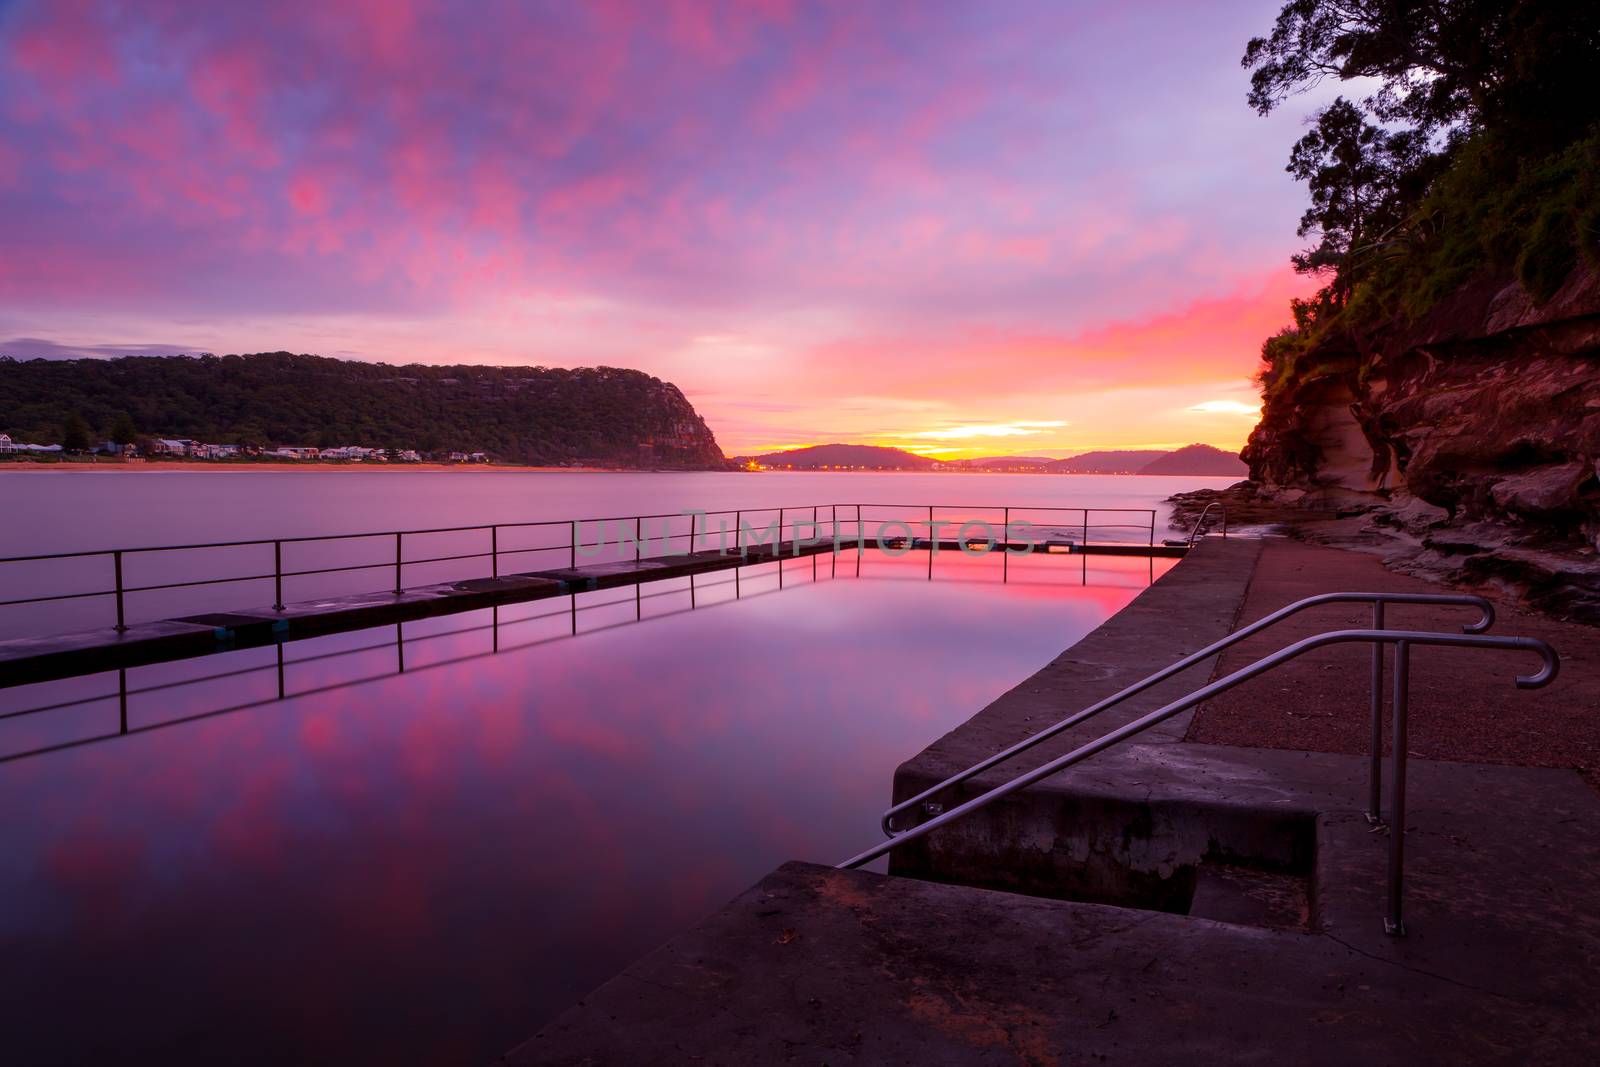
(1463, 444)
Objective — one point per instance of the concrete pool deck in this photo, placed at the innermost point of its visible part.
(1168, 899)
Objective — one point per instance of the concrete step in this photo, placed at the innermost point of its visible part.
(1278, 900)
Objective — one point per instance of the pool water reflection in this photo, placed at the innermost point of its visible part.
(428, 847)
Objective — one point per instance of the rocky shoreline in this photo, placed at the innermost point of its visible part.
(1534, 567)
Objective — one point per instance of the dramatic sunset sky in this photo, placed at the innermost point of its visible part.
(965, 228)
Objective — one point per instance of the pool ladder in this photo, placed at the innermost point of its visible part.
(1472, 636)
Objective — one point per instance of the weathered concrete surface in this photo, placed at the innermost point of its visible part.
(1462, 703)
(814, 965)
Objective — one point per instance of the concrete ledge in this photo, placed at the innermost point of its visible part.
(814, 965)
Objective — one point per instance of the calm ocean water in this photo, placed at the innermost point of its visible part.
(54, 513)
(416, 848)
(51, 512)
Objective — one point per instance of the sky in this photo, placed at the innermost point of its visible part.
(1029, 227)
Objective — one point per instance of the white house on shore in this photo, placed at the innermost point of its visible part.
(200, 451)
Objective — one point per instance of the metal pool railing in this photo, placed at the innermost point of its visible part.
(61, 578)
(1403, 640)
(1375, 768)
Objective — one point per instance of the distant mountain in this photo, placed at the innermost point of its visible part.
(599, 415)
(1199, 460)
(859, 457)
(1109, 462)
(1191, 460)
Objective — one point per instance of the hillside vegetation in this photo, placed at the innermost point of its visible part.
(516, 414)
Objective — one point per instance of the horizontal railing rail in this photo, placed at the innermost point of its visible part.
(704, 529)
(1377, 600)
(1403, 640)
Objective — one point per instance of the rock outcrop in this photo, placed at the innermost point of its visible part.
(1463, 444)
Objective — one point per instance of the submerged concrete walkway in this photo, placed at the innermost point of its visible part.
(52, 656)
(27, 660)
(1240, 895)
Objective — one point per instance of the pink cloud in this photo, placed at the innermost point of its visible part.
(839, 184)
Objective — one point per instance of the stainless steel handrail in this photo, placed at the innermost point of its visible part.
(1377, 600)
(1401, 639)
(1199, 522)
(1194, 534)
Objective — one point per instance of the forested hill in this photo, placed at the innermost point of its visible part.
(516, 414)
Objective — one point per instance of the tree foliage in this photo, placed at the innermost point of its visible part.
(75, 433)
(1476, 151)
(123, 430)
(1442, 66)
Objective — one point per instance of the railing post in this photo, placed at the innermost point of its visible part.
(1005, 547)
(638, 538)
(738, 520)
(494, 551)
(777, 549)
(277, 575)
(1375, 758)
(572, 552)
(1394, 921)
(116, 560)
(1085, 529)
(398, 586)
(1153, 528)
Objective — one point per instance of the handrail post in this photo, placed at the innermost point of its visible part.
(1085, 527)
(277, 576)
(1394, 922)
(494, 551)
(638, 536)
(1005, 547)
(738, 521)
(1375, 758)
(116, 559)
(1153, 528)
(572, 552)
(399, 537)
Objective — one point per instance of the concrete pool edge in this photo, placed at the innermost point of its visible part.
(938, 962)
